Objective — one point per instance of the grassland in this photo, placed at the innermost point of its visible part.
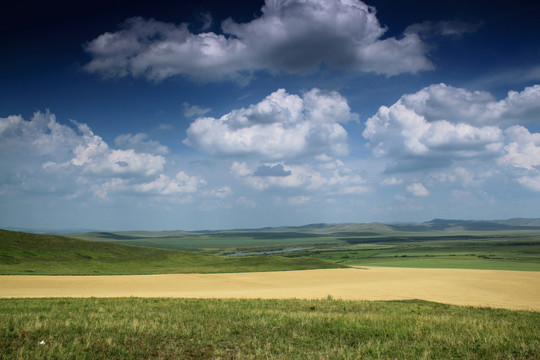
(132, 328)
(492, 248)
(152, 328)
(482, 251)
(27, 254)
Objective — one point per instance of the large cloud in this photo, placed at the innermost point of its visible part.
(281, 126)
(441, 124)
(140, 143)
(522, 154)
(320, 180)
(94, 155)
(294, 36)
(42, 136)
(42, 155)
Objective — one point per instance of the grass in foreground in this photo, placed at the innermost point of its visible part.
(33, 254)
(133, 328)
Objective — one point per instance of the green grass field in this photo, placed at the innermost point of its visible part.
(33, 254)
(491, 250)
(502, 252)
(133, 328)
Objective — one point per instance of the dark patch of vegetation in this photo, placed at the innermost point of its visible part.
(109, 235)
(354, 233)
(268, 235)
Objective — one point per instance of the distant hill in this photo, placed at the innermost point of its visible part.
(27, 253)
(371, 229)
(471, 225)
(520, 222)
(332, 229)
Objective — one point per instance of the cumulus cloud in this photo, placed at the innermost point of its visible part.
(42, 155)
(282, 126)
(42, 136)
(140, 143)
(531, 182)
(290, 177)
(522, 153)
(164, 185)
(94, 155)
(290, 36)
(194, 110)
(522, 149)
(304, 177)
(391, 181)
(417, 189)
(441, 124)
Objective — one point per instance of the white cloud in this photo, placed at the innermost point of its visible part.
(442, 28)
(164, 185)
(42, 136)
(522, 149)
(417, 189)
(522, 153)
(240, 169)
(282, 126)
(531, 182)
(140, 143)
(462, 175)
(391, 181)
(291, 35)
(221, 193)
(102, 190)
(44, 156)
(194, 110)
(401, 132)
(356, 190)
(301, 177)
(441, 124)
(94, 155)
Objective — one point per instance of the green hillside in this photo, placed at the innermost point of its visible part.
(25, 253)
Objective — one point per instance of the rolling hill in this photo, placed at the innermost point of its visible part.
(26, 253)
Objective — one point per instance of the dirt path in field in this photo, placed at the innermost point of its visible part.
(502, 289)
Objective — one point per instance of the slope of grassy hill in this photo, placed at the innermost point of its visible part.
(25, 253)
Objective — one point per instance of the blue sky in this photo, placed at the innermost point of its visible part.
(213, 115)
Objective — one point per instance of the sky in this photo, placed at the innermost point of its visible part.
(241, 114)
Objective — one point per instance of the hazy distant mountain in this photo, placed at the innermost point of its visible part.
(471, 225)
(520, 222)
(359, 229)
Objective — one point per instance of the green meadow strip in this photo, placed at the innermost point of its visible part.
(134, 328)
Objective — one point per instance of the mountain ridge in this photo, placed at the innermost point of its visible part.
(361, 229)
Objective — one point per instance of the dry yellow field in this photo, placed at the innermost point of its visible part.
(501, 289)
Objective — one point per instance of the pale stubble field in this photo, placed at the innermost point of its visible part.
(516, 290)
